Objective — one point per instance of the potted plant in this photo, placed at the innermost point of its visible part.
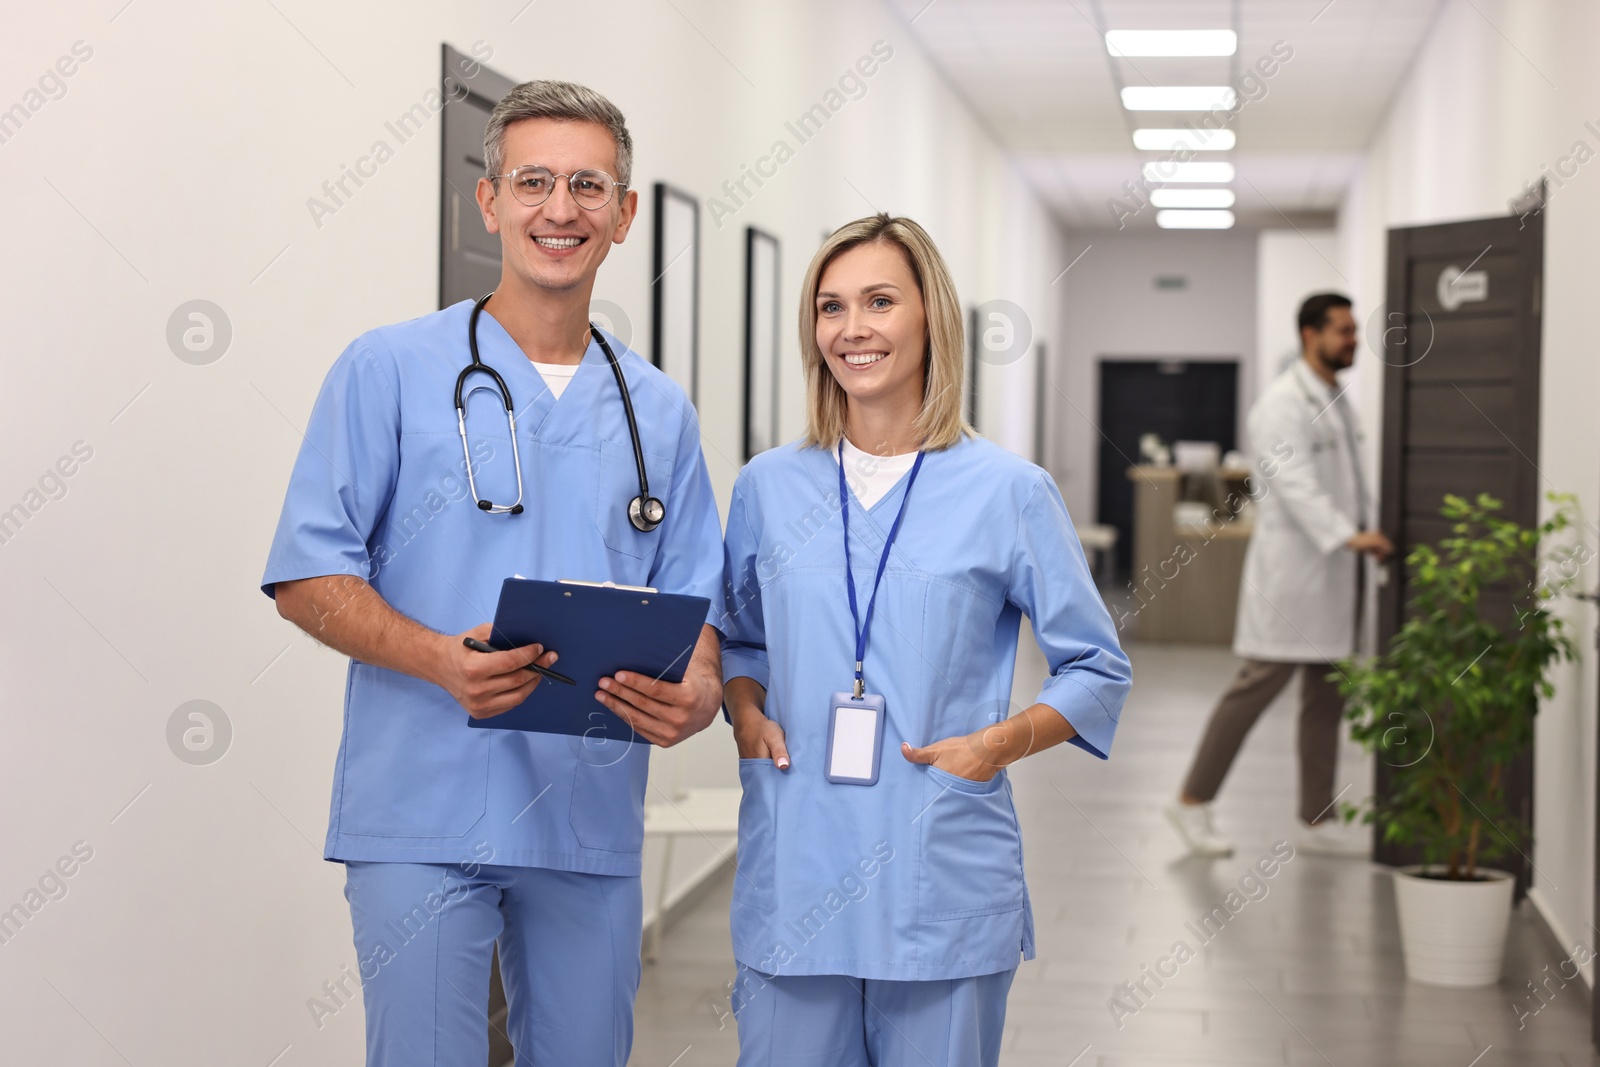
(1450, 703)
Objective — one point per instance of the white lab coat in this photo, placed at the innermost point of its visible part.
(1297, 600)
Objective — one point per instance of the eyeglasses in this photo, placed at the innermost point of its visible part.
(533, 184)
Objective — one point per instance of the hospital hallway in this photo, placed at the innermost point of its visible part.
(1307, 973)
(769, 365)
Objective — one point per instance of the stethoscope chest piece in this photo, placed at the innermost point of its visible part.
(646, 513)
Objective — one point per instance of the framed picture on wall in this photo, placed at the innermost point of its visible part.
(1041, 404)
(675, 291)
(761, 332)
(469, 255)
(974, 340)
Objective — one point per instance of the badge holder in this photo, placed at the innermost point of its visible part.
(855, 738)
(855, 719)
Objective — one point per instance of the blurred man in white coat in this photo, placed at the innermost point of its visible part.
(1298, 599)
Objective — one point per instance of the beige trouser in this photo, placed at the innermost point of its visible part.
(1255, 686)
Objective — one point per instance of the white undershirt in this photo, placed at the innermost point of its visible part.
(871, 477)
(556, 375)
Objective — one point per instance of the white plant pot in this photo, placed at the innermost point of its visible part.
(1454, 933)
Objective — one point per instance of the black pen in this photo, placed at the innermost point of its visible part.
(543, 672)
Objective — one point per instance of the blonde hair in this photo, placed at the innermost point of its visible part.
(940, 423)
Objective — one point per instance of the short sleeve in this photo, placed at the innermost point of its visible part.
(1050, 583)
(744, 636)
(689, 560)
(344, 476)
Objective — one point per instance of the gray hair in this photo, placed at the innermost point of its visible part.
(555, 100)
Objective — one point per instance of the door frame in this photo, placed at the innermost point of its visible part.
(1102, 362)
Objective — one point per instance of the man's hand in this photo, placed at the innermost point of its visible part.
(347, 614)
(488, 683)
(1373, 542)
(665, 713)
(757, 736)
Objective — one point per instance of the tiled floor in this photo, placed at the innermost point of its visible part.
(1308, 974)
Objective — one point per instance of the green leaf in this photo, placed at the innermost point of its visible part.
(1451, 677)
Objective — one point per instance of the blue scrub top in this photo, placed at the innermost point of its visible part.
(920, 876)
(380, 491)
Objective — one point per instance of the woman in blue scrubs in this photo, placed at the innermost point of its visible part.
(880, 911)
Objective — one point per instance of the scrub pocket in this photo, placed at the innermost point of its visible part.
(608, 783)
(615, 488)
(411, 766)
(758, 836)
(971, 856)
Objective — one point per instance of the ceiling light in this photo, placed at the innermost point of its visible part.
(1171, 42)
(1178, 97)
(1191, 197)
(1166, 170)
(1197, 140)
(1194, 220)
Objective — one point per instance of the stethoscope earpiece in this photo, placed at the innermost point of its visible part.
(645, 512)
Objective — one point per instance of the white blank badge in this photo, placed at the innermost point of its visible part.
(855, 738)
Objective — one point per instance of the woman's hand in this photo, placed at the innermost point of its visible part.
(757, 736)
(761, 738)
(961, 756)
(981, 755)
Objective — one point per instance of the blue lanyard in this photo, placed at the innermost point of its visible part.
(883, 561)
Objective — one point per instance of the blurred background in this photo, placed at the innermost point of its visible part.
(204, 203)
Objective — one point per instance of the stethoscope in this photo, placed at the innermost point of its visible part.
(645, 512)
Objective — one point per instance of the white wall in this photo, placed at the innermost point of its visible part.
(1111, 309)
(1290, 266)
(1500, 91)
(176, 166)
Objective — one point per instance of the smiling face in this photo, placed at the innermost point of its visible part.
(872, 327)
(557, 246)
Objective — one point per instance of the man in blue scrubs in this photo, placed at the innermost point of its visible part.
(457, 839)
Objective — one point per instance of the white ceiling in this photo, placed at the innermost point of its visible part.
(1037, 72)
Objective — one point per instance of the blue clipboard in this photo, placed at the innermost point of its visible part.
(597, 630)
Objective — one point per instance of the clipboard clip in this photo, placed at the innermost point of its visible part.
(609, 585)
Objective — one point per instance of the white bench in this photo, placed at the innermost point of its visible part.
(1101, 542)
(703, 812)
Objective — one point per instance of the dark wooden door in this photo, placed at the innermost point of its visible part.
(1459, 339)
(1180, 400)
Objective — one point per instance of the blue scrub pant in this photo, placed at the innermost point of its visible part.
(840, 1021)
(569, 959)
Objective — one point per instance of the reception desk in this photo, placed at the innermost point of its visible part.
(1186, 572)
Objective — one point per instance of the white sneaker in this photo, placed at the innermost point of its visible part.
(1198, 829)
(1332, 837)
